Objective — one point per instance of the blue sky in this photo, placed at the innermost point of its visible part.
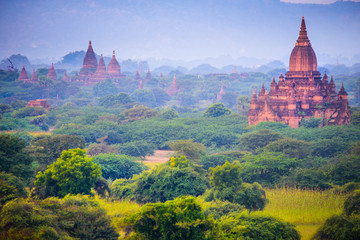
(186, 30)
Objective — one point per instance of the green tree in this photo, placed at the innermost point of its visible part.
(137, 148)
(4, 108)
(228, 186)
(290, 147)
(242, 103)
(13, 158)
(188, 148)
(118, 166)
(258, 139)
(72, 173)
(180, 162)
(145, 97)
(11, 187)
(216, 110)
(169, 113)
(161, 184)
(138, 112)
(181, 218)
(254, 226)
(112, 100)
(355, 118)
(107, 87)
(45, 149)
(74, 217)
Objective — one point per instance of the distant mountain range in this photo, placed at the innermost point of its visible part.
(73, 62)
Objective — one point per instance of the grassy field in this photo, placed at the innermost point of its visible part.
(307, 209)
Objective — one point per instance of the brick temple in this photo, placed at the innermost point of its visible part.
(302, 93)
(93, 72)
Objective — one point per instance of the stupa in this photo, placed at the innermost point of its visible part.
(52, 74)
(302, 93)
(100, 74)
(34, 78)
(114, 70)
(23, 75)
(148, 76)
(173, 89)
(89, 64)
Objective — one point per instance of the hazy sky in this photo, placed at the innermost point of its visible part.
(184, 29)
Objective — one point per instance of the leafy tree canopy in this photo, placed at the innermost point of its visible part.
(258, 139)
(72, 173)
(216, 110)
(188, 148)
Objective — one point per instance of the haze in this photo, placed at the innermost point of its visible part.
(184, 30)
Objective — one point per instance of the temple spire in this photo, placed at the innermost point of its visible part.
(303, 39)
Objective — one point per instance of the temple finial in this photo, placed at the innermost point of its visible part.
(113, 52)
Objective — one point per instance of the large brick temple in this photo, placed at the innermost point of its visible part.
(302, 93)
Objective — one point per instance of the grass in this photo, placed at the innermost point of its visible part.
(307, 209)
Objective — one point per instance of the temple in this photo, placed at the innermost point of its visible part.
(89, 64)
(33, 77)
(52, 74)
(303, 93)
(173, 89)
(23, 75)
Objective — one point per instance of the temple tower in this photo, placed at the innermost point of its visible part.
(114, 71)
(34, 78)
(100, 75)
(89, 64)
(302, 93)
(173, 89)
(23, 75)
(52, 74)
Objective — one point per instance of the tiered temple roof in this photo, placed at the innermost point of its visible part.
(34, 78)
(302, 93)
(173, 89)
(100, 74)
(23, 75)
(89, 64)
(52, 74)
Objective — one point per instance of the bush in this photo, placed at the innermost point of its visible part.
(11, 187)
(170, 114)
(28, 111)
(181, 218)
(258, 139)
(255, 226)
(118, 166)
(74, 217)
(72, 173)
(161, 184)
(188, 148)
(217, 110)
(290, 147)
(137, 148)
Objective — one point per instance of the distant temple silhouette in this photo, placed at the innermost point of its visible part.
(92, 73)
(302, 93)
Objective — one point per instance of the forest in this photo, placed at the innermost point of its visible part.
(79, 171)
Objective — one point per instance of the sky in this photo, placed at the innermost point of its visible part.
(183, 30)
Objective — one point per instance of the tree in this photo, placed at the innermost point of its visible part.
(216, 110)
(11, 187)
(118, 166)
(258, 139)
(161, 184)
(169, 113)
(290, 147)
(181, 218)
(180, 162)
(112, 100)
(254, 226)
(97, 148)
(345, 226)
(74, 217)
(355, 118)
(13, 159)
(242, 102)
(45, 149)
(138, 112)
(107, 87)
(72, 173)
(228, 186)
(188, 148)
(145, 97)
(137, 148)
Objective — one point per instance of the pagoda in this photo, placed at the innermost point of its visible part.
(100, 74)
(114, 71)
(65, 78)
(173, 89)
(303, 93)
(141, 85)
(52, 74)
(148, 76)
(220, 94)
(34, 78)
(89, 65)
(23, 75)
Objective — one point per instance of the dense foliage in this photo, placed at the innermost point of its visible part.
(118, 166)
(72, 173)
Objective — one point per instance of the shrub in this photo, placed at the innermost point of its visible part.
(118, 166)
(258, 139)
(72, 173)
(217, 110)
